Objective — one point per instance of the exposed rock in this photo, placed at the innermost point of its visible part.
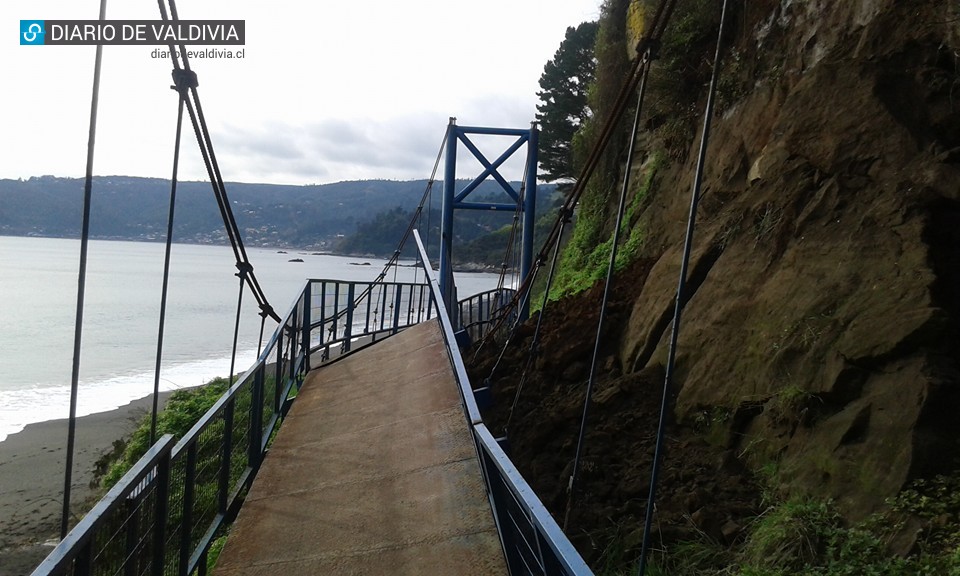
(814, 275)
(819, 339)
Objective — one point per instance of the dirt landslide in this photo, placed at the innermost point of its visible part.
(819, 342)
(702, 488)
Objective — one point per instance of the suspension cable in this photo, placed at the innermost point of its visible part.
(681, 288)
(81, 284)
(522, 292)
(509, 261)
(181, 82)
(508, 254)
(429, 222)
(205, 143)
(242, 274)
(263, 321)
(657, 26)
(502, 312)
(629, 86)
(611, 266)
(427, 193)
(535, 342)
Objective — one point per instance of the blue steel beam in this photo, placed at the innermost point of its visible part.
(485, 206)
(446, 219)
(529, 211)
(494, 131)
(453, 200)
(491, 169)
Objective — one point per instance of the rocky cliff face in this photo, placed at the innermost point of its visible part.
(822, 315)
(818, 353)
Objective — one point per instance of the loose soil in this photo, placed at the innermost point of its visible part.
(819, 341)
(702, 488)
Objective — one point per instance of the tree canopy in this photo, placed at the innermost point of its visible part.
(564, 107)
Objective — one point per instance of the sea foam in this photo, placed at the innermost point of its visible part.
(18, 408)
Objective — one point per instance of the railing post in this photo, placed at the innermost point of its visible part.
(336, 311)
(348, 329)
(409, 288)
(383, 307)
(292, 340)
(186, 523)
(224, 491)
(202, 564)
(323, 312)
(130, 566)
(420, 304)
(529, 213)
(306, 327)
(397, 299)
(160, 515)
(291, 323)
(499, 493)
(366, 320)
(431, 302)
(83, 566)
(278, 374)
(446, 220)
(256, 420)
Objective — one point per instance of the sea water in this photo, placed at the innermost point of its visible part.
(38, 295)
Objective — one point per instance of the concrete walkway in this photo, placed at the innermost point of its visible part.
(373, 472)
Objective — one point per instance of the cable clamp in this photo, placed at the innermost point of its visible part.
(566, 214)
(184, 79)
(653, 49)
(244, 269)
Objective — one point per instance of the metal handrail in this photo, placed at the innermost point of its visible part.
(563, 557)
(352, 315)
(201, 480)
(532, 541)
(480, 311)
(76, 550)
(446, 326)
(165, 513)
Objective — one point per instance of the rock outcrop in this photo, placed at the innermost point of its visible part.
(822, 313)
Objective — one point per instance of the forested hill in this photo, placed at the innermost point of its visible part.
(127, 208)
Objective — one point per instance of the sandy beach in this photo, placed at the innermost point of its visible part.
(31, 480)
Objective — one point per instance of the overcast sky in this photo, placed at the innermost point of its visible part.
(326, 91)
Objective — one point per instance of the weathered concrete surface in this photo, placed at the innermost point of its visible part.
(373, 472)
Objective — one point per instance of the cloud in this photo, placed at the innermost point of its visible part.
(347, 148)
(333, 149)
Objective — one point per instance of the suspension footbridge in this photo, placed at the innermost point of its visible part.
(383, 462)
(373, 472)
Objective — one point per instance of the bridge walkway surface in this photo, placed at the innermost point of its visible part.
(374, 471)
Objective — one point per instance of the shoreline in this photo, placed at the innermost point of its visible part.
(32, 474)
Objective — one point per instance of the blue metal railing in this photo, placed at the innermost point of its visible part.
(163, 516)
(532, 541)
(111, 536)
(345, 316)
(198, 485)
(480, 312)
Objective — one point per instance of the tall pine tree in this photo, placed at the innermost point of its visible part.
(564, 84)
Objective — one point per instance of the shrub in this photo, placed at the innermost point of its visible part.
(182, 411)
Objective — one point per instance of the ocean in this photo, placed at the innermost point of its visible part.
(38, 291)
